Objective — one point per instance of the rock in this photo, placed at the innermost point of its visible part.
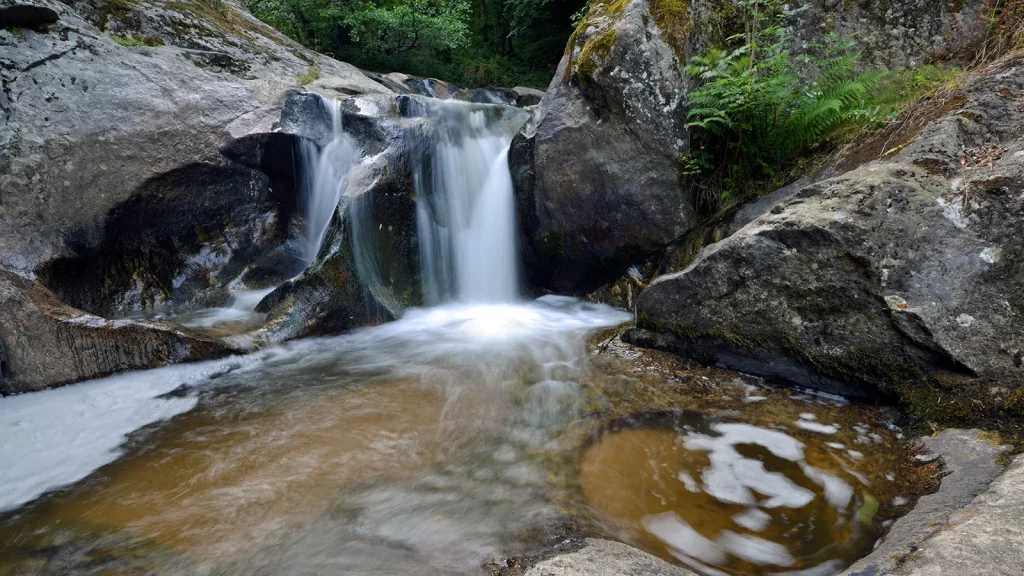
(103, 141)
(25, 14)
(895, 35)
(969, 468)
(903, 278)
(606, 558)
(44, 343)
(984, 537)
(597, 170)
(526, 96)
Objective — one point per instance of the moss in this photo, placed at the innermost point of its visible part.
(1015, 402)
(691, 333)
(145, 40)
(593, 54)
(116, 10)
(312, 73)
(673, 20)
(14, 30)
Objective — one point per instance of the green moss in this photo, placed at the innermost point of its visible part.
(312, 73)
(692, 334)
(146, 40)
(1015, 402)
(673, 20)
(14, 30)
(593, 54)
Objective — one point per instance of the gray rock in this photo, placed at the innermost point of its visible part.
(526, 96)
(896, 34)
(606, 558)
(969, 468)
(94, 129)
(903, 277)
(984, 537)
(44, 343)
(597, 169)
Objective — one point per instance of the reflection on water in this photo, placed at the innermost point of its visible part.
(725, 496)
(429, 446)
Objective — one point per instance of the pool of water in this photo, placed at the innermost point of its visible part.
(435, 445)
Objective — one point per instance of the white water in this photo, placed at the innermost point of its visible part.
(324, 177)
(466, 208)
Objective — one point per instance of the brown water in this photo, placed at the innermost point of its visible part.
(438, 444)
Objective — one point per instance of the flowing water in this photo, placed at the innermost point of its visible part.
(446, 441)
(323, 177)
(465, 207)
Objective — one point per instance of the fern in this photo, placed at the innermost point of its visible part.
(758, 107)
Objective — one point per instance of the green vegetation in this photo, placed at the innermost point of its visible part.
(146, 40)
(312, 73)
(760, 108)
(474, 42)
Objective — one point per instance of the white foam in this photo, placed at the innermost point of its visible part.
(53, 438)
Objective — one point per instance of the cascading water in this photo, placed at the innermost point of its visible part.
(466, 209)
(324, 173)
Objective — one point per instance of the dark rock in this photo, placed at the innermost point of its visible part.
(903, 278)
(25, 14)
(44, 343)
(601, 158)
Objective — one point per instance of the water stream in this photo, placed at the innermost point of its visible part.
(444, 442)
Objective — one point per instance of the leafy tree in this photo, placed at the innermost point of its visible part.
(476, 42)
(436, 25)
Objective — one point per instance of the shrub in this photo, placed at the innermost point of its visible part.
(759, 108)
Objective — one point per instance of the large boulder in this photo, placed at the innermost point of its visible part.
(116, 194)
(903, 278)
(597, 170)
(45, 343)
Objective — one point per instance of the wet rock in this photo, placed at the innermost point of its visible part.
(606, 558)
(45, 343)
(25, 14)
(982, 538)
(902, 278)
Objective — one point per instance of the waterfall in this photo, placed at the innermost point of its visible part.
(325, 172)
(465, 204)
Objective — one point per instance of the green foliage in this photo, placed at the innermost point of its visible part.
(436, 25)
(759, 108)
(474, 42)
(312, 73)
